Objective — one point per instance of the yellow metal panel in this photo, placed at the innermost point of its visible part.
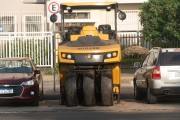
(89, 30)
(89, 27)
(66, 61)
(90, 49)
(116, 89)
(88, 3)
(104, 36)
(61, 60)
(74, 37)
(116, 74)
(112, 60)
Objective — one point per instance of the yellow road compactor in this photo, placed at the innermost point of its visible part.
(89, 56)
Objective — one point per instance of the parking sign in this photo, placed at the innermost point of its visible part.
(53, 8)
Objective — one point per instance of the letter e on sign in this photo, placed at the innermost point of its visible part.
(54, 7)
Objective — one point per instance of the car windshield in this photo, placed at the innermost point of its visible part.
(170, 58)
(15, 66)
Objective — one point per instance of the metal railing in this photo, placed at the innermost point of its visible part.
(36, 45)
(133, 38)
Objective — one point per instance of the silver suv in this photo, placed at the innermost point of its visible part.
(158, 75)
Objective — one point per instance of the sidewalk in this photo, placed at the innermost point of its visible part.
(51, 93)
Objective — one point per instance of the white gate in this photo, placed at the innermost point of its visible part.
(36, 45)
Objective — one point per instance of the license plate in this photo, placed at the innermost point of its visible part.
(6, 91)
(177, 74)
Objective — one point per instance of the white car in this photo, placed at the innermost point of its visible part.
(158, 75)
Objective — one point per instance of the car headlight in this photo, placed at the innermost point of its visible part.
(111, 54)
(28, 83)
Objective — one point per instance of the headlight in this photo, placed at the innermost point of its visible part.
(111, 54)
(28, 83)
(66, 56)
(69, 56)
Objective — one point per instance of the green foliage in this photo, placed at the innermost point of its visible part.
(161, 21)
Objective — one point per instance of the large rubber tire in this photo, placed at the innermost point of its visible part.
(71, 90)
(151, 99)
(89, 89)
(35, 102)
(138, 95)
(106, 89)
(41, 97)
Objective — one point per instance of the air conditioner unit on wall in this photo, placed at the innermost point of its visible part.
(34, 1)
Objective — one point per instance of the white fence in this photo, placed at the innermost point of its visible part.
(36, 45)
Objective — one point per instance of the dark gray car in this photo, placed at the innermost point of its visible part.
(158, 75)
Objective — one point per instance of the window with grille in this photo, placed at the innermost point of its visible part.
(77, 15)
(7, 23)
(33, 23)
(33, 1)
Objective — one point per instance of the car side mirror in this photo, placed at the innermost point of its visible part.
(37, 71)
(137, 65)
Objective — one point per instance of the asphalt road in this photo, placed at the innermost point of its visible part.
(127, 109)
(88, 115)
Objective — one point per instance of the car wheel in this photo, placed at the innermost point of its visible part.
(35, 102)
(151, 99)
(41, 97)
(137, 93)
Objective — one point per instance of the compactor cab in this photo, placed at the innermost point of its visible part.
(89, 58)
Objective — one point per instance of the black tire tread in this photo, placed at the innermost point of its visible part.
(106, 89)
(88, 88)
(138, 95)
(35, 102)
(71, 90)
(151, 99)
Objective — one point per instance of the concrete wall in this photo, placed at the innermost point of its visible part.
(132, 17)
(119, 1)
(17, 6)
(135, 6)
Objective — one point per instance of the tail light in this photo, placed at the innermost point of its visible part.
(156, 74)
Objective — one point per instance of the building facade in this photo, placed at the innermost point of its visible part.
(25, 29)
(31, 15)
(22, 16)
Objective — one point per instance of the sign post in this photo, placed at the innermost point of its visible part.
(53, 19)
(54, 9)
